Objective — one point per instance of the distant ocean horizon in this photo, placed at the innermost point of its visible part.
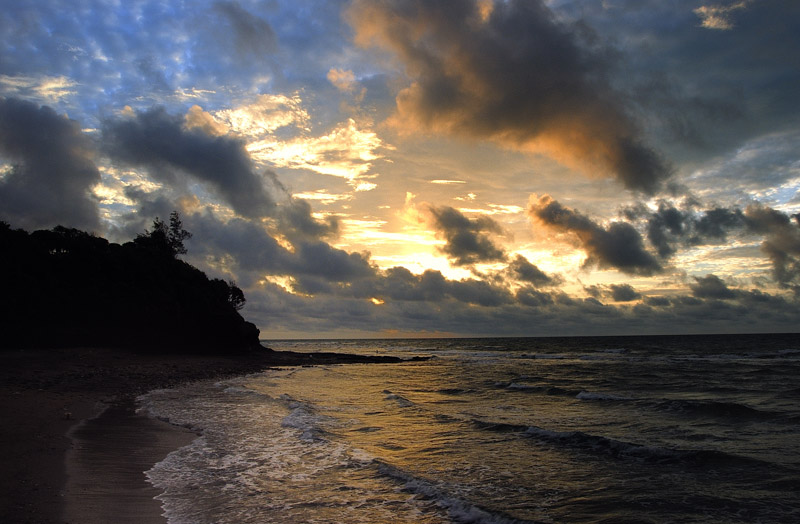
(646, 428)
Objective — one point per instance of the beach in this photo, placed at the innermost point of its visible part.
(58, 406)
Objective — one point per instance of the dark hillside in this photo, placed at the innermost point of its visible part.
(64, 287)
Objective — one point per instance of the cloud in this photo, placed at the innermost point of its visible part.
(619, 246)
(160, 143)
(53, 171)
(48, 89)
(524, 271)
(669, 227)
(624, 293)
(781, 243)
(711, 286)
(265, 115)
(348, 152)
(342, 80)
(467, 240)
(198, 119)
(297, 221)
(616, 292)
(399, 284)
(514, 73)
(719, 16)
(253, 37)
(527, 312)
(248, 250)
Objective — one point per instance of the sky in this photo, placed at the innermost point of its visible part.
(421, 168)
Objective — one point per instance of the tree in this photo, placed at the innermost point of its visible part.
(176, 234)
(162, 237)
(235, 296)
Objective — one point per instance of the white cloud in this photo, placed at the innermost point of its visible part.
(265, 116)
(447, 182)
(49, 89)
(346, 152)
(322, 196)
(718, 16)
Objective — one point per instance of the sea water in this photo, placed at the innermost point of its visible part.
(628, 429)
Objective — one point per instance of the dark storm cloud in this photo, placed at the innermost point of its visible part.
(252, 250)
(619, 246)
(467, 239)
(298, 222)
(524, 271)
(533, 298)
(663, 226)
(616, 292)
(711, 286)
(717, 222)
(161, 143)
(399, 284)
(319, 258)
(670, 227)
(158, 141)
(53, 170)
(252, 36)
(721, 87)
(478, 292)
(514, 73)
(624, 293)
(781, 242)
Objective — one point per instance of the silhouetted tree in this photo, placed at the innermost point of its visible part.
(235, 296)
(165, 238)
(176, 234)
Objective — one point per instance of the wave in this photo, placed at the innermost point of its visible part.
(529, 388)
(621, 450)
(401, 401)
(588, 395)
(244, 391)
(543, 356)
(458, 510)
(304, 418)
(453, 391)
(715, 409)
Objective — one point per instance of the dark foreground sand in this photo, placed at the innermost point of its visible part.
(73, 449)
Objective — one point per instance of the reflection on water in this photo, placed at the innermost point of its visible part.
(497, 431)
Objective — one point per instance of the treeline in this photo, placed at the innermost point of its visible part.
(65, 287)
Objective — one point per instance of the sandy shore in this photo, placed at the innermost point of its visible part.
(72, 447)
(100, 488)
(64, 463)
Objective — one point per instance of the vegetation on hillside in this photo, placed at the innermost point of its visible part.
(65, 287)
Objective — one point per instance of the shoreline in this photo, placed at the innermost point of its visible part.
(105, 467)
(50, 395)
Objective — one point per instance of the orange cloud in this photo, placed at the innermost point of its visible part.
(512, 73)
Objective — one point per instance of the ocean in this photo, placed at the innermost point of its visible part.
(553, 430)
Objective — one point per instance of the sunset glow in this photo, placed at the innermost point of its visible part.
(472, 167)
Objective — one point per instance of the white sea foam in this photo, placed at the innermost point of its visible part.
(458, 510)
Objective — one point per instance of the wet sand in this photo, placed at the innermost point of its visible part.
(105, 466)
